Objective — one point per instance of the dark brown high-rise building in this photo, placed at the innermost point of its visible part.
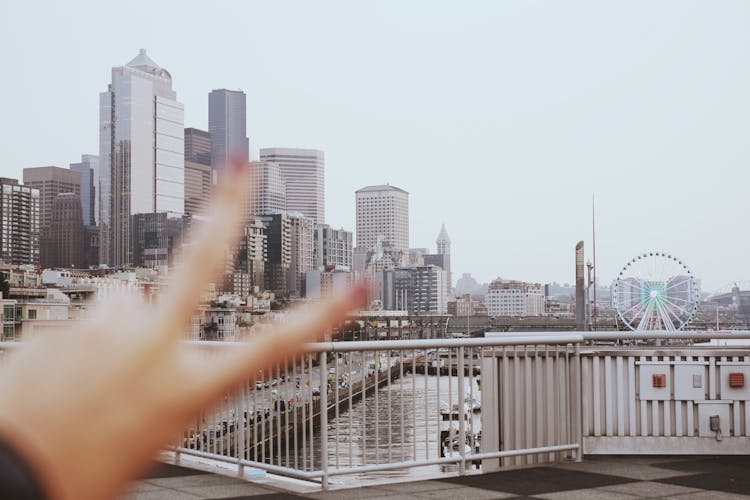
(50, 181)
(64, 241)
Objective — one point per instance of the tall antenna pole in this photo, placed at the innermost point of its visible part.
(593, 247)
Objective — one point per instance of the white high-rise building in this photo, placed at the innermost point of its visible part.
(382, 217)
(268, 189)
(141, 152)
(332, 247)
(303, 171)
(19, 232)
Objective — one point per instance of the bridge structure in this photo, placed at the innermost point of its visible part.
(392, 325)
(396, 325)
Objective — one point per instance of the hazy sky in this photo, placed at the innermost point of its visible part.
(500, 119)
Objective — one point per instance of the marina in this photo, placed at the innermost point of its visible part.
(371, 414)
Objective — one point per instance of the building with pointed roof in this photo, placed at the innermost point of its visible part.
(442, 258)
(141, 150)
(443, 242)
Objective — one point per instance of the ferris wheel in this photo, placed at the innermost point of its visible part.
(655, 291)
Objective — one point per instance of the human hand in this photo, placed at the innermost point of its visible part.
(89, 408)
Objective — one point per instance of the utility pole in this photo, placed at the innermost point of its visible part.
(589, 302)
(717, 317)
(593, 247)
(580, 289)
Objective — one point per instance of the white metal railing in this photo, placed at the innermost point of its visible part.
(347, 409)
(350, 408)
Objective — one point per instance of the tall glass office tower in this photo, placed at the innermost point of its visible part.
(89, 170)
(227, 124)
(141, 150)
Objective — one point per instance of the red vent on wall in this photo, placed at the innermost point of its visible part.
(659, 380)
(736, 380)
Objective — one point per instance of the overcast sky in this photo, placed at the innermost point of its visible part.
(500, 119)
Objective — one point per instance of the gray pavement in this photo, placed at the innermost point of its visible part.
(610, 477)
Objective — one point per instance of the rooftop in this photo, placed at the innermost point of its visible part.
(144, 63)
(380, 187)
(615, 477)
(443, 235)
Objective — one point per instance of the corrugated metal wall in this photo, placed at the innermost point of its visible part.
(615, 401)
(627, 410)
(529, 400)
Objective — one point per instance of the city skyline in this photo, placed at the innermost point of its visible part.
(644, 111)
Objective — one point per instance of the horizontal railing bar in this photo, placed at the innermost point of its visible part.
(495, 339)
(275, 469)
(645, 335)
(381, 345)
(689, 335)
(448, 460)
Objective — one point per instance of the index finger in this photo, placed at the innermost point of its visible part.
(204, 256)
(283, 342)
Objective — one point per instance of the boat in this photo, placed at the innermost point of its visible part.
(452, 447)
(473, 404)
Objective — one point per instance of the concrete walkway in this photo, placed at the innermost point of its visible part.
(612, 477)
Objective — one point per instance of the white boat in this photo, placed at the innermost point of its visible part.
(452, 447)
(473, 404)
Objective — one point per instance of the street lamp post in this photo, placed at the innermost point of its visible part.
(589, 267)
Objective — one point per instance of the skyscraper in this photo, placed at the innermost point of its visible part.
(382, 217)
(88, 169)
(63, 243)
(155, 237)
(303, 171)
(442, 258)
(141, 151)
(227, 122)
(279, 252)
(198, 177)
(268, 190)
(197, 146)
(198, 188)
(443, 242)
(19, 214)
(301, 232)
(50, 181)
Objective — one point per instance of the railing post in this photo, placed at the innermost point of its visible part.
(462, 410)
(324, 418)
(577, 384)
(240, 423)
